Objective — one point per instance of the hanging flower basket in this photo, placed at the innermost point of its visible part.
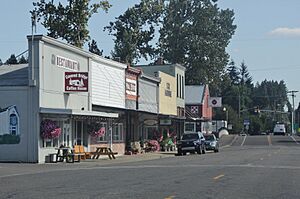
(49, 129)
(96, 130)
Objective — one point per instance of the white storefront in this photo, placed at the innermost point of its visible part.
(61, 90)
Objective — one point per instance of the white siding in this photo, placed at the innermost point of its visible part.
(52, 82)
(108, 85)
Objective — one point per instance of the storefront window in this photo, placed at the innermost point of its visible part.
(79, 132)
(150, 132)
(118, 132)
(66, 135)
(190, 126)
(105, 137)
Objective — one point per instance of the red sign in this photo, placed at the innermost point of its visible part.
(76, 82)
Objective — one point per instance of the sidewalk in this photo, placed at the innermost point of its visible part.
(15, 169)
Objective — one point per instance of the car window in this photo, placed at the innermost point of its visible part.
(209, 137)
(190, 136)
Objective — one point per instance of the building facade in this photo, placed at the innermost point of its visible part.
(198, 111)
(64, 89)
(171, 122)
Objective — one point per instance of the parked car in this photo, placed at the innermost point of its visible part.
(211, 143)
(191, 142)
(279, 129)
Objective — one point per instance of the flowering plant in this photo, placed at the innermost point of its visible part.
(154, 145)
(49, 129)
(98, 133)
(96, 130)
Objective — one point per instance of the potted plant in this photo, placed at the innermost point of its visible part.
(49, 129)
(96, 130)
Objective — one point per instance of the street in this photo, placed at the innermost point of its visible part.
(246, 167)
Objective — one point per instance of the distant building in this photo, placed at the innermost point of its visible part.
(171, 95)
(197, 111)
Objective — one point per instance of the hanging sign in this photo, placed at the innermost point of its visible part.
(76, 82)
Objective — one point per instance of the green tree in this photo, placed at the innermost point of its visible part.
(270, 95)
(12, 60)
(245, 77)
(245, 90)
(196, 34)
(22, 60)
(134, 30)
(93, 48)
(234, 73)
(68, 22)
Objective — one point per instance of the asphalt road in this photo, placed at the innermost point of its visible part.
(246, 167)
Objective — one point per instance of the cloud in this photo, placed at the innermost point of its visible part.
(286, 32)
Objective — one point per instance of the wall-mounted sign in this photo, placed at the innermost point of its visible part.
(65, 63)
(150, 122)
(215, 101)
(194, 109)
(131, 86)
(76, 82)
(165, 122)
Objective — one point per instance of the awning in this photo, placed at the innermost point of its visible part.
(79, 113)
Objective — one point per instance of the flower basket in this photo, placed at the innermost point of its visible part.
(49, 129)
(96, 130)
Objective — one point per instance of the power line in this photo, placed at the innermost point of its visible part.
(277, 68)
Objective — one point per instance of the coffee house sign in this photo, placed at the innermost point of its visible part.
(76, 82)
(65, 63)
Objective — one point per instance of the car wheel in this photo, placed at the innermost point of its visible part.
(203, 150)
(184, 153)
(179, 152)
(216, 150)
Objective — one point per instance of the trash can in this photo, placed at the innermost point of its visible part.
(52, 157)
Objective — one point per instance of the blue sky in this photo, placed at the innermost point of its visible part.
(267, 36)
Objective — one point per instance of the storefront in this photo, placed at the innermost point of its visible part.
(54, 97)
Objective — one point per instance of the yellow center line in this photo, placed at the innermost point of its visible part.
(170, 197)
(218, 177)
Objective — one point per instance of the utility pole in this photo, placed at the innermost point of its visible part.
(293, 108)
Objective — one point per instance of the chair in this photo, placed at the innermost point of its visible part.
(87, 154)
(79, 150)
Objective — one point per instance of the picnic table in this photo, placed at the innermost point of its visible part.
(66, 153)
(103, 151)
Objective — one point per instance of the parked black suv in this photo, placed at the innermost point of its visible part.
(191, 142)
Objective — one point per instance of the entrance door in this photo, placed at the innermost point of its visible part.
(78, 132)
(67, 137)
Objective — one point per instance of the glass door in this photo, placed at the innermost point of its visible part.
(78, 132)
(67, 136)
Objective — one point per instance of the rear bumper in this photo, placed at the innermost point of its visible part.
(188, 148)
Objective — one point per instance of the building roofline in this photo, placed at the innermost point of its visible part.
(159, 65)
(77, 50)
